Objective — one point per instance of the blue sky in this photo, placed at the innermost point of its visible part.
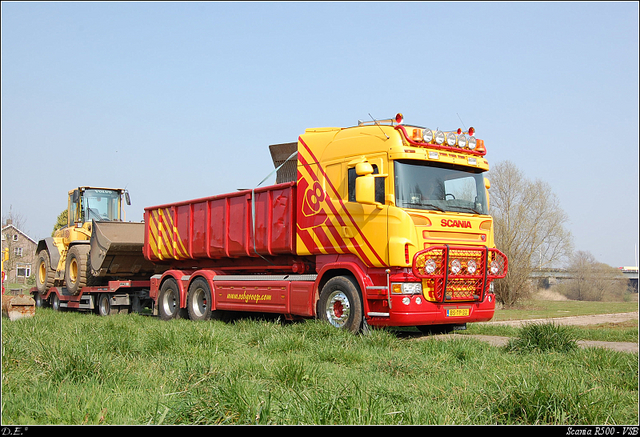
(176, 101)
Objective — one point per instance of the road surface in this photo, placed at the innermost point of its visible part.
(573, 320)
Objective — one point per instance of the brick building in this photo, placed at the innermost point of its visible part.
(22, 248)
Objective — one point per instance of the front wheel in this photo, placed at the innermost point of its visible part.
(55, 302)
(40, 302)
(340, 304)
(77, 273)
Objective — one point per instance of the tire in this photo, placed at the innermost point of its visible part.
(340, 304)
(199, 300)
(44, 273)
(104, 307)
(40, 302)
(169, 301)
(55, 302)
(77, 271)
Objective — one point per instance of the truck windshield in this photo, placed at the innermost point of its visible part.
(100, 204)
(439, 187)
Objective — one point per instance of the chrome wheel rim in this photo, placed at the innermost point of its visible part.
(338, 309)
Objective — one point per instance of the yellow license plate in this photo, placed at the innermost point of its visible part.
(458, 312)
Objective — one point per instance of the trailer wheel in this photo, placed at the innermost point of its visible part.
(40, 302)
(199, 300)
(169, 301)
(76, 272)
(104, 305)
(340, 304)
(44, 274)
(55, 302)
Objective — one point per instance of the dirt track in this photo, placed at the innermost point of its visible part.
(573, 320)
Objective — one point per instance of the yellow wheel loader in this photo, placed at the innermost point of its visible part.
(95, 246)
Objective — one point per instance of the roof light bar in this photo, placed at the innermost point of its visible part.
(459, 139)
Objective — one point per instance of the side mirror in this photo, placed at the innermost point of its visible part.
(127, 198)
(487, 184)
(366, 189)
(363, 169)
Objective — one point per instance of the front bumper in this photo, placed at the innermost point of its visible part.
(456, 288)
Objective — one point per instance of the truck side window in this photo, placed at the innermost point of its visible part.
(351, 175)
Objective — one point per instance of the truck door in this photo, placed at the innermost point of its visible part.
(366, 227)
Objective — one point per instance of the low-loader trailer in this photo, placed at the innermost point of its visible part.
(379, 224)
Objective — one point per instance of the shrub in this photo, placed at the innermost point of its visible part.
(544, 337)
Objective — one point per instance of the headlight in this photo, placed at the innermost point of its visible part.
(455, 266)
(430, 266)
(471, 266)
(472, 143)
(452, 139)
(427, 135)
(439, 137)
(494, 268)
(462, 140)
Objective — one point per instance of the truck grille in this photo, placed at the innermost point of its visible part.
(458, 273)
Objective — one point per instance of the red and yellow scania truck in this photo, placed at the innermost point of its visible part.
(379, 224)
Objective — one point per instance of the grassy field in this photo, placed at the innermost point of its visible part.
(539, 309)
(71, 368)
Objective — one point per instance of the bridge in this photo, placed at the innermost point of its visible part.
(628, 273)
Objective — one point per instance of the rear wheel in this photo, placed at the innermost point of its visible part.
(76, 272)
(169, 301)
(340, 304)
(199, 300)
(44, 272)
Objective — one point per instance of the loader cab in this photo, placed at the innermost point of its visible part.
(100, 204)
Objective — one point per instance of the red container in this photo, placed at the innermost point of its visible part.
(223, 226)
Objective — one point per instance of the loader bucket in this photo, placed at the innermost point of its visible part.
(18, 307)
(116, 250)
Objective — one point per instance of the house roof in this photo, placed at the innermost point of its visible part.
(4, 228)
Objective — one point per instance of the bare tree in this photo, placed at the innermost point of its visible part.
(592, 280)
(529, 228)
(14, 218)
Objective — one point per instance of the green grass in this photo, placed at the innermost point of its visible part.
(620, 332)
(71, 368)
(540, 309)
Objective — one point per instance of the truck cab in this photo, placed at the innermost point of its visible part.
(88, 203)
(407, 205)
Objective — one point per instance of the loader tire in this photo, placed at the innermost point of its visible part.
(44, 273)
(77, 273)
